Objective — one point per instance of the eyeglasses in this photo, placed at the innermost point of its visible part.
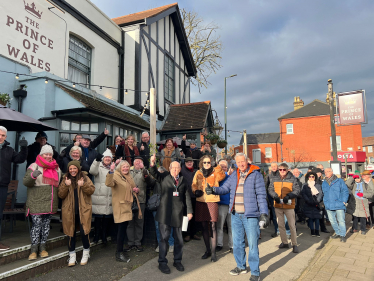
(206, 162)
(311, 177)
(282, 170)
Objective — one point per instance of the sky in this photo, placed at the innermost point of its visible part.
(279, 50)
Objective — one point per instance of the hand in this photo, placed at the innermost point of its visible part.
(67, 181)
(359, 194)
(277, 199)
(81, 182)
(209, 149)
(36, 173)
(286, 199)
(142, 147)
(77, 143)
(112, 167)
(99, 157)
(199, 193)
(230, 171)
(106, 132)
(209, 190)
(184, 137)
(265, 219)
(189, 216)
(153, 159)
(23, 142)
(145, 173)
(136, 190)
(118, 160)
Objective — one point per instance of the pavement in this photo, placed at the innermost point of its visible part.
(275, 264)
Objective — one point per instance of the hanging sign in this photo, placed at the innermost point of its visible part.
(352, 107)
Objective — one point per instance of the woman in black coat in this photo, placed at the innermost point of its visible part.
(312, 195)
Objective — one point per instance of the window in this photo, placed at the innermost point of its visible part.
(364, 148)
(169, 79)
(79, 68)
(268, 152)
(370, 149)
(338, 143)
(289, 128)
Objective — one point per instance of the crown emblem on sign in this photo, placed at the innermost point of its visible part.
(31, 9)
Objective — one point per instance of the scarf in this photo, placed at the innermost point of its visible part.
(167, 160)
(85, 151)
(207, 172)
(331, 179)
(106, 166)
(50, 175)
(313, 189)
(193, 149)
(190, 169)
(359, 189)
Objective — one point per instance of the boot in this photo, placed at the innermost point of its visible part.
(317, 233)
(42, 251)
(206, 255)
(72, 259)
(85, 256)
(33, 255)
(313, 232)
(122, 257)
(98, 222)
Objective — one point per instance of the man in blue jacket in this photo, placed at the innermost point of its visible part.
(335, 198)
(248, 208)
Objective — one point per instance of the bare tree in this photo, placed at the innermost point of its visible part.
(298, 157)
(205, 45)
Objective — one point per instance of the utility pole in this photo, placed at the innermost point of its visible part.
(245, 146)
(153, 117)
(332, 121)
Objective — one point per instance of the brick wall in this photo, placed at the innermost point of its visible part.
(275, 151)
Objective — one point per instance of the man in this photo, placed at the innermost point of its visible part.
(143, 148)
(7, 157)
(284, 189)
(335, 198)
(248, 208)
(135, 226)
(193, 152)
(188, 173)
(33, 150)
(320, 166)
(319, 180)
(300, 200)
(169, 214)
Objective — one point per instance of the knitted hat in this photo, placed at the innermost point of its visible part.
(357, 172)
(41, 135)
(107, 153)
(192, 142)
(75, 163)
(46, 149)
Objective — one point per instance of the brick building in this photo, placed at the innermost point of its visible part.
(368, 146)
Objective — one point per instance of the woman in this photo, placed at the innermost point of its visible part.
(206, 205)
(41, 179)
(207, 149)
(169, 154)
(123, 192)
(312, 195)
(128, 150)
(113, 148)
(75, 153)
(75, 190)
(102, 198)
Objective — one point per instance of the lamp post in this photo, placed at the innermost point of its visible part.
(226, 113)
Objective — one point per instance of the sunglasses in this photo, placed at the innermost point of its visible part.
(311, 177)
(206, 162)
(283, 170)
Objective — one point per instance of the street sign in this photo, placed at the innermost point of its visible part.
(352, 107)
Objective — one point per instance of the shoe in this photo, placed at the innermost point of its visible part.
(33, 255)
(295, 249)
(283, 246)
(85, 256)
(206, 255)
(351, 230)
(335, 236)
(139, 248)
(157, 249)
(231, 250)
(164, 268)
(195, 237)
(328, 223)
(343, 239)
(214, 257)
(363, 232)
(254, 278)
(218, 248)
(317, 233)
(289, 237)
(237, 271)
(325, 230)
(42, 252)
(4, 247)
(171, 249)
(178, 266)
(187, 238)
(313, 232)
(128, 248)
(122, 257)
(72, 259)
(274, 234)
(368, 226)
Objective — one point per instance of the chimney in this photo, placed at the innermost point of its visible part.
(298, 103)
(328, 99)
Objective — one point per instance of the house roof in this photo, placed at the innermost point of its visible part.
(315, 108)
(261, 138)
(149, 16)
(105, 108)
(368, 141)
(188, 116)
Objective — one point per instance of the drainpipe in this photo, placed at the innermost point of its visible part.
(121, 65)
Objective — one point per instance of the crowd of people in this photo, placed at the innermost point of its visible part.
(113, 188)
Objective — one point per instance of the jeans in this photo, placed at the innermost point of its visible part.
(241, 226)
(165, 233)
(171, 239)
(275, 222)
(223, 216)
(85, 238)
(313, 224)
(337, 220)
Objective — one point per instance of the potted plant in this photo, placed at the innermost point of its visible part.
(4, 99)
(221, 143)
(212, 138)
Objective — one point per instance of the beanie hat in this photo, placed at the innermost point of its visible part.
(46, 149)
(41, 135)
(75, 163)
(357, 172)
(107, 153)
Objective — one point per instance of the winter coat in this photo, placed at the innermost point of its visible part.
(145, 154)
(194, 154)
(361, 205)
(66, 193)
(255, 202)
(351, 207)
(102, 197)
(142, 183)
(93, 144)
(335, 195)
(33, 150)
(64, 161)
(7, 157)
(122, 196)
(200, 183)
(272, 175)
(124, 152)
(175, 156)
(288, 186)
(311, 209)
(170, 211)
(188, 177)
(224, 198)
(41, 198)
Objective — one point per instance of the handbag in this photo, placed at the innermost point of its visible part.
(153, 202)
(134, 207)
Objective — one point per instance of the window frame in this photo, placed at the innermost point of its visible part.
(289, 133)
(74, 63)
(167, 95)
(370, 149)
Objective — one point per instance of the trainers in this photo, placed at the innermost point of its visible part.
(237, 271)
(139, 248)
(171, 249)
(72, 259)
(85, 256)
(283, 246)
(4, 247)
(157, 249)
(343, 239)
(122, 257)
(254, 278)
(335, 236)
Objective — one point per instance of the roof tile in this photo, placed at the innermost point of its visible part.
(368, 141)
(315, 108)
(261, 138)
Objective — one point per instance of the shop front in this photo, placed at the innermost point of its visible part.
(352, 161)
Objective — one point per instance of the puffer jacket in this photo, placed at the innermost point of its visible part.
(225, 198)
(311, 209)
(142, 183)
(102, 197)
(281, 187)
(255, 202)
(41, 198)
(200, 183)
(335, 195)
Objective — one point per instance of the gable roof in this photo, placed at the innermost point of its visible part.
(105, 108)
(315, 108)
(368, 141)
(188, 116)
(261, 138)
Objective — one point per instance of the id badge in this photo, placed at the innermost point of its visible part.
(176, 193)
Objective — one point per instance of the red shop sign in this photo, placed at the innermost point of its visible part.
(352, 156)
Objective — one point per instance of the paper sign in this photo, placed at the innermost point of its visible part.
(185, 224)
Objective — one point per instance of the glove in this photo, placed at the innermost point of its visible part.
(265, 219)
(145, 173)
(199, 193)
(209, 190)
(286, 199)
(99, 157)
(36, 173)
(277, 199)
(63, 153)
(23, 142)
(360, 194)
